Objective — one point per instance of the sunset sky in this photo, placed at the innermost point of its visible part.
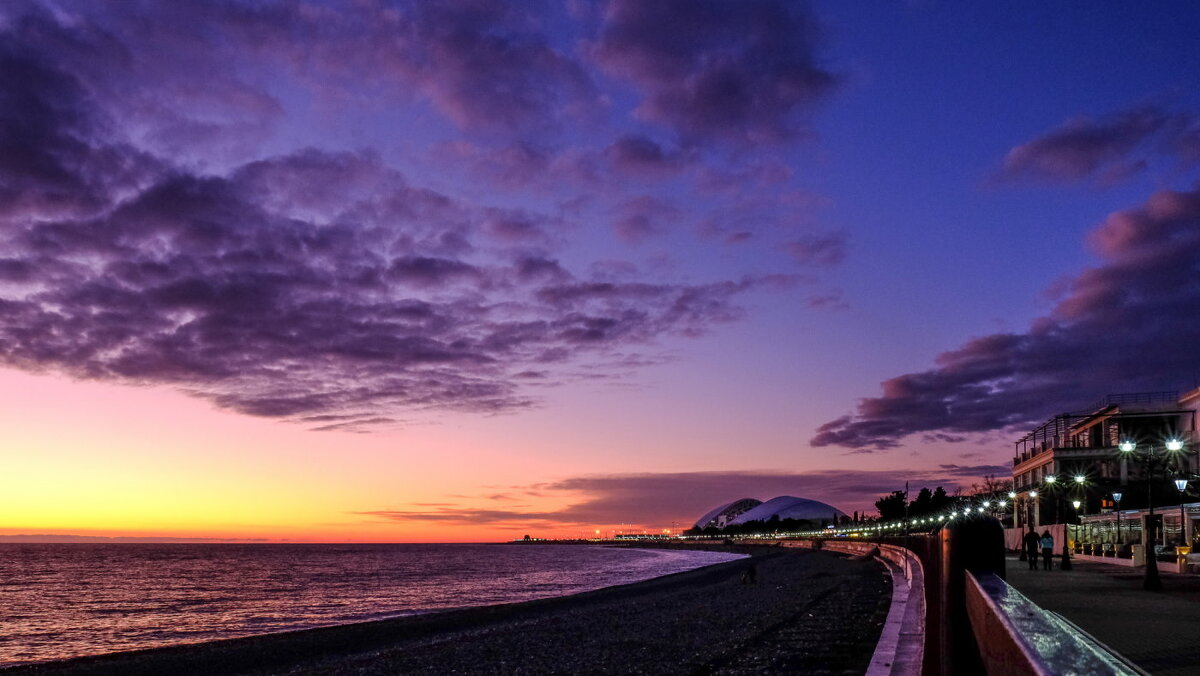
(462, 271)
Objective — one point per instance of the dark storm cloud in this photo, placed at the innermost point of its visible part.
(317, 286)
(682, 497)
(1129, 324)
(1109, 148)
(741, 72)
(47, 163)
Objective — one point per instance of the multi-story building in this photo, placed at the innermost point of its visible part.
(1079, 457)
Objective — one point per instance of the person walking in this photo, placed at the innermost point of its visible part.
(1047, 550)
(1032, 543)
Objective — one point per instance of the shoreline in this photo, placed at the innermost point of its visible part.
(608, 630)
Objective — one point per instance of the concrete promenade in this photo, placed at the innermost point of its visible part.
(1157, 631)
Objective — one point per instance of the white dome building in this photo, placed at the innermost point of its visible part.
(784, 507)
(721, 516)
(789, 507)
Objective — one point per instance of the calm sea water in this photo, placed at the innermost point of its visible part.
(66, 600)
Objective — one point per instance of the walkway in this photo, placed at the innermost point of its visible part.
(1158, 631)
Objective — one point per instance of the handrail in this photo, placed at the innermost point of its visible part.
(1014, 635)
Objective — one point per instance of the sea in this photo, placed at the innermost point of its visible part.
(67, 600)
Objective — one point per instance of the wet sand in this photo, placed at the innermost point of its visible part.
(809, 612)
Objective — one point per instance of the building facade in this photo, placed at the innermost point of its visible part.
(1124, 452)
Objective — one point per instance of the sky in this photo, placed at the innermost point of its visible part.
(463, 271)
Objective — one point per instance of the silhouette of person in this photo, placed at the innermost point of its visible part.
(1047, 550)
(1032, 543)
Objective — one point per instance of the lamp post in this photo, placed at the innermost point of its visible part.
(1075, 504)
(1181, 484)
(1050, 482)
(1152, 582)
(1066, 552)
(1117, 499)
(1081, 485)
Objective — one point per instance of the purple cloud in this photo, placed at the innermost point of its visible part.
(823, 250)
(482, 65)
(1125, 325)
(47, 165)
(642, 217)
(487, 67)
(196, 282)
(322, 287)
(833, 300)
(641, 156)
(193, 282)
(1109, 148)
(742, 72)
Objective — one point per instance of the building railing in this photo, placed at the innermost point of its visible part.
(1160, 397)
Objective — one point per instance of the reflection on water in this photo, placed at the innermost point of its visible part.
(66, 600)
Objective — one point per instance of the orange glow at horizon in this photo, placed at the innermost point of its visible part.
(106, 460)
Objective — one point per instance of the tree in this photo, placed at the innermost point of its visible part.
(892, 506)
(923, 505)
(992, 487)
(941, 501)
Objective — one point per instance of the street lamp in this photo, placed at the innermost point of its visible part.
(1051, 482)
(1152, 581)
(1181, 484)
(1075, 504)
(1117, 499)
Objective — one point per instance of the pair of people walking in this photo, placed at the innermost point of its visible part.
(1045, 543)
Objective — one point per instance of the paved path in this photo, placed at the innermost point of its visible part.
(1158, 631)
